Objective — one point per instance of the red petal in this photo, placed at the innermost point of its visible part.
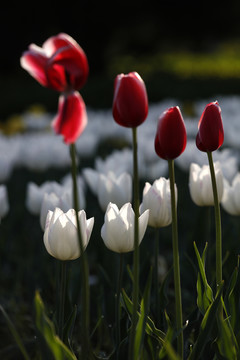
(130, 102)
(171, 133)
(210, 128)
(71, 119)
(35, 63)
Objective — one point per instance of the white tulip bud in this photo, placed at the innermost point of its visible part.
(200, 184)
(157, 198)
(118, 229)
(61, 236)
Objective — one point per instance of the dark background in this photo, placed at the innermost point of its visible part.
(106, 31)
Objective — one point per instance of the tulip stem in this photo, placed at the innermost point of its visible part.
(176, 265)
(118, 307)
(156, 253)
(62, 298)
(85, 294)
(136, 245)
(217, 224)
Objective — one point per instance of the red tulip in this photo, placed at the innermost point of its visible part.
(210, 134)
(71, 119)
(60, 64)
(130, 102)
(171, 137)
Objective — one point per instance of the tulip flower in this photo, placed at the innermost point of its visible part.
(71, 119)
(157, 198)
(60, 64)
(118, 229)
(231, 196)
(130, 101)
(109, 187)
(210, 134)
(61, 237)
(64, 201)
(171, 137)
(200, 184)
(35, 194)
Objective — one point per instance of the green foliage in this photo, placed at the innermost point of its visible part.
(46, 328)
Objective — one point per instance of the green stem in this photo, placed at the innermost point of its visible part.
(85, 293)
(136, 244)
(217, 222)
(118, 307)
(176, 266)
(62, 298)
(156, 253)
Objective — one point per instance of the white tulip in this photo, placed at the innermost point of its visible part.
(231, 196)
(200, 184)
(115, 189)
(4, 208)
(36, 193)
(61, 236)
(63, 201)
(157, 198)
(118, 229)
(109, 187)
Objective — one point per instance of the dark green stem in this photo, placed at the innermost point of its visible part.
(217, 222)
(156, 278)
(85, 293)
(118, 307)
(176, 265)
(136, 244)
(62, 298)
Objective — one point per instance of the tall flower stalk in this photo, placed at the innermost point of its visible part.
(63, 274)
(217, 222)
(176, 265)
(85, 293)
(130, 109)
(170, 142)
(118, 306)
(136, 243)
(209, 138)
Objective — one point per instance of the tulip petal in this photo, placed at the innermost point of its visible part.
(34, 61)
(71, 119)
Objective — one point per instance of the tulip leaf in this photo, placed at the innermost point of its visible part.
(206, 326)
(141, 325)
(232, 296)
(46, 328)
(205, 294)
(150, 326)
(226, 342)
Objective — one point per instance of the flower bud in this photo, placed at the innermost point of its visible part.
(210, 134)
(61, 235)
(118, 229)
(171, 137)
(130, 102)
(200, 184)
(157, 198)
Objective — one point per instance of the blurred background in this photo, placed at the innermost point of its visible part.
(182, 49)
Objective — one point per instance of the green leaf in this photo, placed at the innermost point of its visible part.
(141, 325)
(15, 334)
(206, 327)
(150, 326)
(205, 293)
(47, 330)
(226, 341)
(232, 295)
